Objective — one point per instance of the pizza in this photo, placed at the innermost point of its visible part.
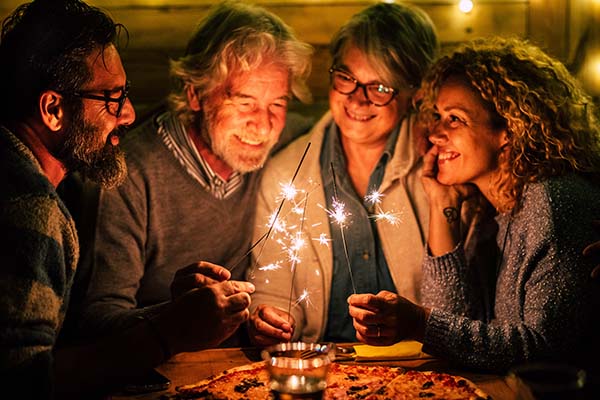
(344, 381)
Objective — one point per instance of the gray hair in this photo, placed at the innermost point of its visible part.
(399, 40)
(235, 37)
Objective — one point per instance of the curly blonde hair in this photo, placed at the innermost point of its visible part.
(551, 123)
(233, 38)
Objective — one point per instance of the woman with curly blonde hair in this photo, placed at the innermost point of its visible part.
(509, 124)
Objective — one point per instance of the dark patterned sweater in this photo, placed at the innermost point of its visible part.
(39, 252)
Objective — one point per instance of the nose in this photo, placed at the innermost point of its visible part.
(437, 135)
(261, 121)
(127, 113)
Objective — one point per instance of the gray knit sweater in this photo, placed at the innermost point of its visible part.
(157, 222)
(545, 306)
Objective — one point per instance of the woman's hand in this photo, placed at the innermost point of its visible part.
(445, 203)
(386, 318)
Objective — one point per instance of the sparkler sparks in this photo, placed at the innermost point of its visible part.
(374, 198)
(264, 237)
(340, 217)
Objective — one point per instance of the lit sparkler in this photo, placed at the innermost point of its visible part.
(339, 216)
(265, 236)
(374, 198)
(297, 245)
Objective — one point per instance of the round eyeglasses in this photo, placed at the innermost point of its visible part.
(114, 105)
(344, 83)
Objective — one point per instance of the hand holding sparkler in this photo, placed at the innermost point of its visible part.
(270, 325)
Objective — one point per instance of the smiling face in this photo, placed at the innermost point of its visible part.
(243, 127)
(92, 134)
(359, 120)
(468, 143)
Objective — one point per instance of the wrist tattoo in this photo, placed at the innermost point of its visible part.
(451, 214)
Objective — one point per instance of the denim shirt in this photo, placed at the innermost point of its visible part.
(370, 272)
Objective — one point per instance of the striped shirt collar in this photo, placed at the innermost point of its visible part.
(175, 136)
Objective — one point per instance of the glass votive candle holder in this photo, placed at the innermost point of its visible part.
(298, 370)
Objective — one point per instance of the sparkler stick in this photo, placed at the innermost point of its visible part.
(295, 258)
(337, 203)
(266, 235)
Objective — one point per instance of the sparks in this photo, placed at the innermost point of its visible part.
(288, 191)
(270, 267)
(323, 239)
(374, 197)
(304, 297)
(338, 213)
(387, 216)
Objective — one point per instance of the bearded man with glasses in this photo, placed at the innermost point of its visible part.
(60, 66)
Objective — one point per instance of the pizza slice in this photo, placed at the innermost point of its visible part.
(432, 385)
(351, 381)
(249, 381)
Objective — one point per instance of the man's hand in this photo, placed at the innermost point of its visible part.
(269, 325)
(386, 318)
(197, 275)
(204, 317)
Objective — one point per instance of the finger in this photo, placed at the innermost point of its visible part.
(277, 318)
(591, 249)
(363, 316)
(596, 272)
(429, 162)
(365, 301)
(265, 329)
(237, 302)
(242, 286)
(214, 271)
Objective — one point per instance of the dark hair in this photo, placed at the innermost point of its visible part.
(44, 45)
(399, 40)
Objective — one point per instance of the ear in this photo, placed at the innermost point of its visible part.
(52, 110)
(503, 139)
(193, 99)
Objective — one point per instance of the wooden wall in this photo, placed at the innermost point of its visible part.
(159, 30)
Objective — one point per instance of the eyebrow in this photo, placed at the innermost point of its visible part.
(345, 69)
(286, 97)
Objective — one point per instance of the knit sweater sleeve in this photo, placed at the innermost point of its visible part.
(450, 285)
(39, 252)
(543, 286)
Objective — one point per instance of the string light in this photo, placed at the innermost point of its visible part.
(465, 6)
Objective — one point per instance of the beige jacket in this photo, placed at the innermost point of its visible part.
(273, 271)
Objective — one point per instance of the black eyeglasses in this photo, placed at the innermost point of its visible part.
(344, 83)
(114, 105)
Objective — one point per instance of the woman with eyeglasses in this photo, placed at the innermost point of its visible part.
(362, 167)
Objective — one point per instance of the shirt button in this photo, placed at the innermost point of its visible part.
(365, 255)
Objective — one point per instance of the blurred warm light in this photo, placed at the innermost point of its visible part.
(590, 73)
(465, 6)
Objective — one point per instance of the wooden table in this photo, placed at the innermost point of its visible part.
(187, 368)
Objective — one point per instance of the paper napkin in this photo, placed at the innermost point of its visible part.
(405, 350)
